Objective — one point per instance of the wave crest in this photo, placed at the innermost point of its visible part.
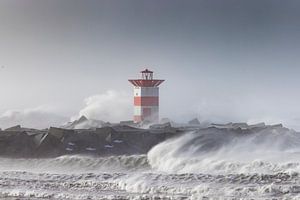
(214, 150)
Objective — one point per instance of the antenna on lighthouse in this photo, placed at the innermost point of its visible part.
(147, 75)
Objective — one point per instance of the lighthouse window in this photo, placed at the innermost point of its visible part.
(136, 94)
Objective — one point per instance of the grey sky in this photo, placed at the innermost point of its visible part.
(222, 60)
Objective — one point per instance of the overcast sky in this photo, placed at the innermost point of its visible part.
(223, 61)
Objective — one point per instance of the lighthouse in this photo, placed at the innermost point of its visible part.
(146, 97)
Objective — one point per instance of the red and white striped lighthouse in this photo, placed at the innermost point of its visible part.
(146, 97)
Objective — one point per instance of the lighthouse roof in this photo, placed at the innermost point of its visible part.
(146, 80)
(146, 83)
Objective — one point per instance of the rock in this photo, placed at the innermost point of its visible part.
(165, 120)
(84, 123)
(259, 125)
(277, 126)
(194, 122)
(82, 141)
(240, 125)
(82, 119)
(14, 128)
(37, 138)
(106, 134)
(166, 129)
(160, 126)
(51, 143)
(110, 140)
(16, 144)
(59, 133)
(231, 126)
(50, 146)
(29, 131)
(127, 123)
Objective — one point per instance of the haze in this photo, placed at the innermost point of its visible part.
(223, 61)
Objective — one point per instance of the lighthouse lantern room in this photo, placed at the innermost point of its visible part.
(146, 97)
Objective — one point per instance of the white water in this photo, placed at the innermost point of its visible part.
(76, 164)
(222, 152)
(212, 163)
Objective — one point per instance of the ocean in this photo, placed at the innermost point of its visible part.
(197, 165)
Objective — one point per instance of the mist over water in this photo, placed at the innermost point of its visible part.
(117, 105)
(110, 106)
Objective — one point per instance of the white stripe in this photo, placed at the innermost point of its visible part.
(137, 110)
(146, 91)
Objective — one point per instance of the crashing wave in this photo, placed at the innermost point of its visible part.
(215, 150)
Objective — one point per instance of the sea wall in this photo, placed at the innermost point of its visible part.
(117, 140)
(108, 140)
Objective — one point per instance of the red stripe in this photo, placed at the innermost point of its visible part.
(146, 101)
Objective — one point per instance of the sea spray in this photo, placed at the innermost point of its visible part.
(220, 151)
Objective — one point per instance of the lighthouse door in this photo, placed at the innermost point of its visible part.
(147, 113)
